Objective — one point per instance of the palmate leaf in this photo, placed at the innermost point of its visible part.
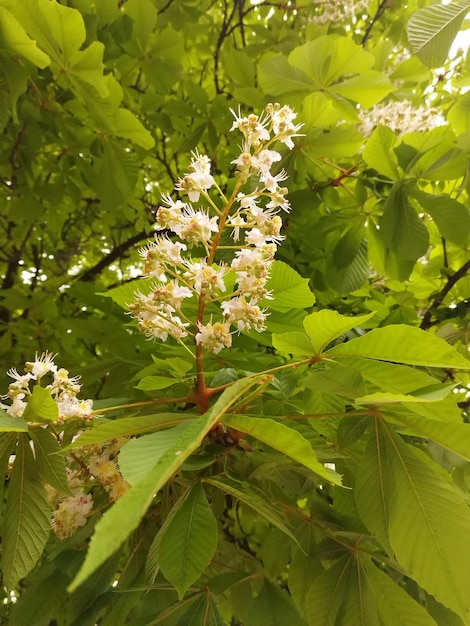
(9, 424)
(432, 29)
(429, 526)
(27, 517)
(124, 516)
(189, 541)
(354, 592)
(284, 439)
(400, 343)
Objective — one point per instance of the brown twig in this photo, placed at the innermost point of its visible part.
(427, 322)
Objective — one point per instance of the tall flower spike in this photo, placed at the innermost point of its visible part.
(251, 219)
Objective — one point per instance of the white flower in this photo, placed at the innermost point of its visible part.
(283, 126)
(205, 278)
(196, 226)
(17, 407)
(271, 182)
(199, 179)
(253, 128)
(266, 158)
(42, 365)
(214, 337)
(168, 217)
(71, 514)
(401, 116)
(246, 315)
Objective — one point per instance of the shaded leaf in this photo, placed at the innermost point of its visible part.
(284, 439)
(189, 541)
(27, 517)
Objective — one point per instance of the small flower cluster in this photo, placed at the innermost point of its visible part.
(64, 389)
(334, 12)
(104, 467)
(401, 116)
(89, 467)
(252, 220)
(71, 511)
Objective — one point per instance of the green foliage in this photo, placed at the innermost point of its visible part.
(315, 473)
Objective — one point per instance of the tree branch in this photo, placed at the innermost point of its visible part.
(451, 281)
(378, 13)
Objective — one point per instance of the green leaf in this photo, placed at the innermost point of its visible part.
(41, 407)
(403, 344)
(290, 290)
(373, 485)
(239, 66)
(245, 493)
(277, 77)
(394, 606)
(367, 88)
(378, 152)
(117, 523)
(401, 229)
(128, 426)
(128, 126)
(341, 380)
(338, 143)
(452, 217)
(429, 526)
(87, 66)
(13, 38)
(432, 29)
(27, 517)
(326, 59)
(138, 457)
(12, 424)
(294, 343)
(385, 397)
(51, 465)
(284, 439)
(326, 325)
(189, 541)
(202, 612)
(327, 593)
(59, 30)
(274, 607)
(455, 437)
(152, 383)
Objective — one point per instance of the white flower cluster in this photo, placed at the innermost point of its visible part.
(334, 12)
(64, 389)
(94, 465)
(401, 116)
(71, 511)
(252, 221)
